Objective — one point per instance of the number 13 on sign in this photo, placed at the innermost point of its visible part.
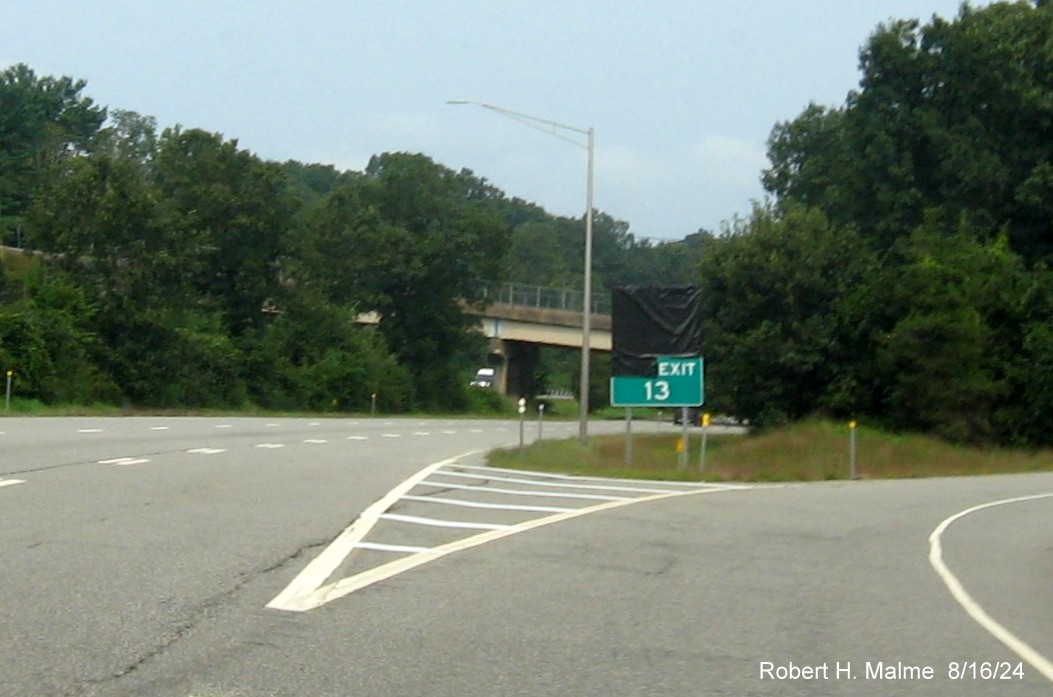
(657, 390)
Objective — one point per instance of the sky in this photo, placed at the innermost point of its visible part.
(681, 94)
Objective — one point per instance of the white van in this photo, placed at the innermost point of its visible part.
(484, 377)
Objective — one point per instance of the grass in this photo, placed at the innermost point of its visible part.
(807, 451)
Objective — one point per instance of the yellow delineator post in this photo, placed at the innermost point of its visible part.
(852, 449)
(705, 437)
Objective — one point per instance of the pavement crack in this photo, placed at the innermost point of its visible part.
(204, 611)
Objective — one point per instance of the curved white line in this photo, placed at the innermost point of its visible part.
(1018, 646)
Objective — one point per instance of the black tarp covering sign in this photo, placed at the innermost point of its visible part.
(652, 321)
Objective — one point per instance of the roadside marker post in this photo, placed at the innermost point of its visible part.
(852, 450)
(7, 397)
(705, 437)
(522, 423)
(540, 419)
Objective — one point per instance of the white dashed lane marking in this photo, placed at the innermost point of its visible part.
(124, 461)
(89, 430)
(270, 446)
(207, 451)
(11, 482)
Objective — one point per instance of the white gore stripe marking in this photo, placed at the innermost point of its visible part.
(315, 574)
(11, 482)
(416, 520)
(525, 492)
(489, 506)
(404, 549)
(1018, 646)
(563, 485)
(345, 586)
(580, 478)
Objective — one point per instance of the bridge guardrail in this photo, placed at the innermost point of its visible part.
(527, 295)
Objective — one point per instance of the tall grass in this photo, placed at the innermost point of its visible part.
(807, 451)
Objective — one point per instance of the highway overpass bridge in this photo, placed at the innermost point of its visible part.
(518, 319)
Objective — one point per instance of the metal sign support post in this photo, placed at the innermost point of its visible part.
(685, 446)
(705, 437)
(628, 436)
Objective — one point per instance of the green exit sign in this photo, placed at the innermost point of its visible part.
(678, 382)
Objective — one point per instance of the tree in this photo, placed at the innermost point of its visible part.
(778, 340)
(951, 116)
(43, 122)
(412, 240)
(230, 208)
(958, 324)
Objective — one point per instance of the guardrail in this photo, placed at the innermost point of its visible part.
(527, 295)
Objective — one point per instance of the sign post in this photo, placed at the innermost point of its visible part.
(678, 382)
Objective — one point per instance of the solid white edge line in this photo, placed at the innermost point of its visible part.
(487, 506)
(401, 549)
(345, 586)
(524, 492)
(576, 477)
(436, 523)
(536, 482)
(321, 568)
(1018, 646)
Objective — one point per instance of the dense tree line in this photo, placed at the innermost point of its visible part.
(902, 271)
(173, 268)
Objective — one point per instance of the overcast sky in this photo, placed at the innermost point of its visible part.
(682, 94)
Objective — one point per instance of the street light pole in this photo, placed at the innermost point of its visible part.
(553, 129)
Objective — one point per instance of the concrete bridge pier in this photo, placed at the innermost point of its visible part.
(515, 364)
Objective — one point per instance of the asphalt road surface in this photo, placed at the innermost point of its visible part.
(240, 557)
